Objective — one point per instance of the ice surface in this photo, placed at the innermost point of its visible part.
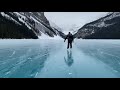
(50, 59)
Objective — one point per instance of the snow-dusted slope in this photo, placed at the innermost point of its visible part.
(107, 27)
(8, 17)
(53, 25)
(35, 21)
(58, 30)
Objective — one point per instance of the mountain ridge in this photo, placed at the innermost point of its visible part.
(34, 21)
(107, 27)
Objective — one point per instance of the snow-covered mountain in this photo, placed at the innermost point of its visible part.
(35, 22)
(107, 27)
(53, 25)
(73, 29)
(57, 29)
(70, 28)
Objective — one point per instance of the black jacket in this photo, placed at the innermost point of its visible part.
(69, 37)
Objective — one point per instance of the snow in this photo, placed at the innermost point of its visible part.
(71, 28)
(92, 32)
(24, 23)
(34, 19)
(43, 36)
(101, 24)
(65, 32)
(39, 26)
(5, 15)
(51, 59)
(8, 17)
(39, 14)
(43, 29)
(20, 15)
(115, 14)
(57, 38)
(52, 24)
(22, 18)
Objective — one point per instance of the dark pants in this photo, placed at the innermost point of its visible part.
(69, 44)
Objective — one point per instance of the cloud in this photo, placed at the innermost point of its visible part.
(66, 19)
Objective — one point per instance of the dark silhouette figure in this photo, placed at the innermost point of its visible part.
(69, 60)
(70, 40)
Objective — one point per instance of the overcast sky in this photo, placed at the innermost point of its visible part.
(63, 19)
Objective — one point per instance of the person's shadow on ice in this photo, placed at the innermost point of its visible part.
(69, 60)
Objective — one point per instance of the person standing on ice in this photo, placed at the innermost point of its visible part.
(70, 40)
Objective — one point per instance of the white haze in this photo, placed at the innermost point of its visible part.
(73, 20)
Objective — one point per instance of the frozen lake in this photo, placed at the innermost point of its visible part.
(51, 59)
